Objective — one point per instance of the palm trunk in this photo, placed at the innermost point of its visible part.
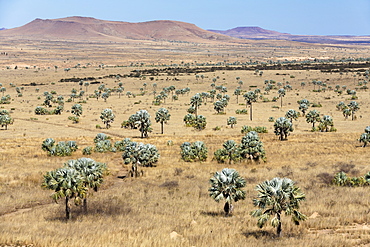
(68, 209)
(84, 205)
(278, 229)
(162, 128)
(228, 209)
(251, 112)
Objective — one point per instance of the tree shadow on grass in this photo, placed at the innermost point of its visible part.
(212, 213)
(259, 234)
(95, 208)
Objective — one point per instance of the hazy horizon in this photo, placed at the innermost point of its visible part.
(313, 17)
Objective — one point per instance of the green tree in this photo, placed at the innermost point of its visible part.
(325, 123)
(67, 183)
(365, 137)
(162, 116)
(277, 196)
(282, 127)
(139, 154)
(353, 107)
(292, 114)
(237, 92)
(227, 185)
(251, 147)
(196, 151)
(230, 152)
(281, 93)
(5, 119)
(250, 97)
(92, 173)
(107, 117)
(231, 121)
(195, 102)
(143, 123)
(313, 117)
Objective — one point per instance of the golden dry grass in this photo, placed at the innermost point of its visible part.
(173, 197)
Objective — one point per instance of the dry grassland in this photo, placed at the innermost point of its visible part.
(172, 197)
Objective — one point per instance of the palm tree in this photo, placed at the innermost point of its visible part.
(230, 151)
(231, 121)
(250, 97)
(275, 197)
(67, 183)
(162, 116)
(77, 110)
(143, 122)
(195, 102)
(313, 117)
(281, 93)
(282, 128)
(292, 114)
(325, 123)
(353, 107)
(237, 92)
(91, 171)
(251, 147)
(107, 117)
(227, 185)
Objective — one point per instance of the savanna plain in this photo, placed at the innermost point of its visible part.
(170, 205)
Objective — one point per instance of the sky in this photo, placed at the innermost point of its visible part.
(305, 17)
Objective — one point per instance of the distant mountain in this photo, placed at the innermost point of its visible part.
(86, 28)
(2, 28)
(257, 33)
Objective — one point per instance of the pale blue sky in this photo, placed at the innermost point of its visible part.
(311, 17)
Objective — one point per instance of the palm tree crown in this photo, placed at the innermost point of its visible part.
(227, 185)
(274, 197)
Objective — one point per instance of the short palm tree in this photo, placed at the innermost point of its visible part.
(107, 116)
(227, 185)
(91, 171)
(313, 117)
(282, 128)
(67, 183)
(274, 197)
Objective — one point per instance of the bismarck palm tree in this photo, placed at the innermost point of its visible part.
(250, 97)
(275, 197)
(230, 152)
(313, 117)
(292, 114)
(195, 102)
(107, 116)
(282, 128)
(281, 93)
(162, 116)
(227, 185)
(91, 171)
(353, 107)
(143, 122)
(67, 183)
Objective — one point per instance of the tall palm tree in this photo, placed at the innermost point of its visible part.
(162, 116)
(250, 97)
(195, 102)
(67, 183)
(227, 185)
(275, 197)
(281, 93)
